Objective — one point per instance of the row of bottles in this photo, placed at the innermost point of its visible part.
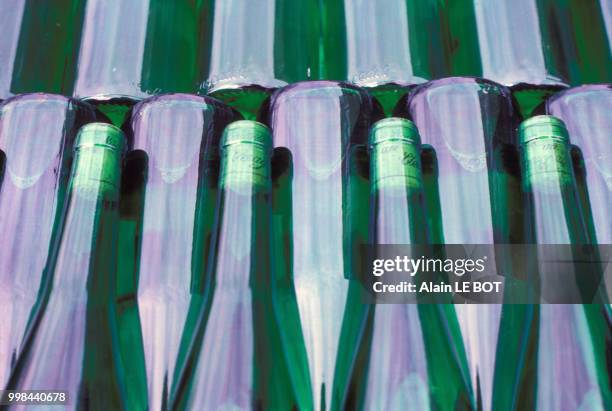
(189, 283)
(111, 52)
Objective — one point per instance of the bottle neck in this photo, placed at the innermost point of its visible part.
(96, 173)
(550, 187)
(84, 255)
(243, 226)
(397, 194)
(548, 166)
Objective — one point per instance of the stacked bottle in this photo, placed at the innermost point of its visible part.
(554, 217)
(409, 353)
(237, 357)
(37, 132)
(585, 112)
(166, 222)
(321, 213)
(70, 343)
(472, 189)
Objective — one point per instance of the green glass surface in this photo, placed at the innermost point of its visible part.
(176, 31)
(130, 338)
(310, 40)
(2, 166)
(247, 100)
(558, 338)
(71, 340)
(530, 99)
(460, 38)
(387, 96)
(585, 46)
(45, 58)
(115, 110)
(237, 358)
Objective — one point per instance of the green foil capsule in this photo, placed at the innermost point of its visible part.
(245, 150)
(37, 134)
(395, 154)
(546, 159)
(98, 152)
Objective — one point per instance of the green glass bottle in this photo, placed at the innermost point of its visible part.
(237, 360)
(572, 342)
(415, 358)
(44, 53)
(473, 196)
(584, 110)
(132, 50)
(167, 211)
(604, 8)
(289, 42)
(70, 343)
(321, 213)
(37, 132)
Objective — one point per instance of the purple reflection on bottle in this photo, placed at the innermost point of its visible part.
(321, 123)
(469, 122)
(179, 133)
(11, 13)
(586, 113)
(36, 136)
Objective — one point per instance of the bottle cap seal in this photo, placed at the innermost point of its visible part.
(245, 159)
(542, 127)
(394, 128)
(101, 135)
(247, 131)
(96, 170)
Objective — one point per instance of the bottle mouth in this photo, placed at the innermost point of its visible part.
(538, 127)
(394, 128)
(247, 131)
(101, 135)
